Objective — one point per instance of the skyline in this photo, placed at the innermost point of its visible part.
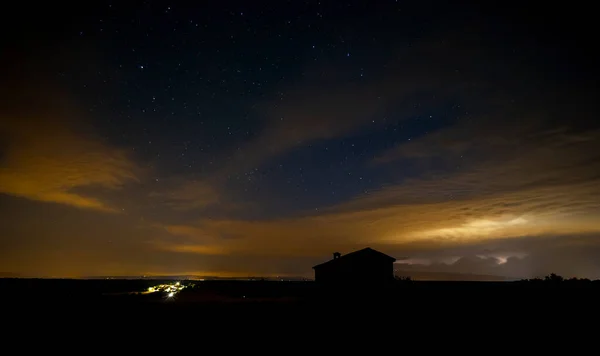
(244, 139)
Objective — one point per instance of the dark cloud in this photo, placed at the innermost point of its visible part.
(569, 256)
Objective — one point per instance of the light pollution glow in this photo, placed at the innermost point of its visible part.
(513, 185)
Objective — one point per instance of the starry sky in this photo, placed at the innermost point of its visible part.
(240, 138)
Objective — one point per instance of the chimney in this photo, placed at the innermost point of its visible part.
(336, 255)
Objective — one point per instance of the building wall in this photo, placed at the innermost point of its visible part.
(372, 271)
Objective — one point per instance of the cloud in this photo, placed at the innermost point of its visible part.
(187, 194)
(513, 182)
(51, 164)
(517, 166)
(549, 186)
(327, 103)
(48, 153)
(570, 256)
(305, 114)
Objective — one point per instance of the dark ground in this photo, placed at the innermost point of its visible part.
(265, 309)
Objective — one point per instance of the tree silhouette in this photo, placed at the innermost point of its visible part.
(554, 278)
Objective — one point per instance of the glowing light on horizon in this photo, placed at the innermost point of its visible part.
(475, 229)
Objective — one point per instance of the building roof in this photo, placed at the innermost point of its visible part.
(365, 252)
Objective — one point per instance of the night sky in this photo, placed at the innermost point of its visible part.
(258, 137)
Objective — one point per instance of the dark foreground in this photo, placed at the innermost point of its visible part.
(297, 309)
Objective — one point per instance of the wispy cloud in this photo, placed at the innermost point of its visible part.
(47, 162)
(547, 187)
(49, 153)
(183, 194)
(503, 172)
(326, 104)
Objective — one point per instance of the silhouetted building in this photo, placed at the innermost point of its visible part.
(362, 266)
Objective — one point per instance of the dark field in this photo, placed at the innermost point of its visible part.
(223, 295)
(257, 306)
